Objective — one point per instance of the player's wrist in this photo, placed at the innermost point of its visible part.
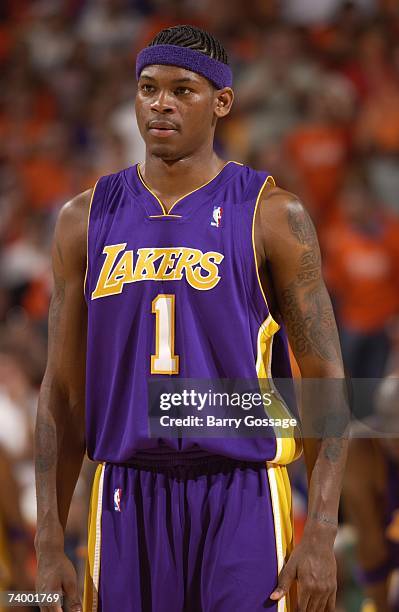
(321, 524)
(49, 540)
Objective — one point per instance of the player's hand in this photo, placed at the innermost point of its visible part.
(312, 563)
(55, 572)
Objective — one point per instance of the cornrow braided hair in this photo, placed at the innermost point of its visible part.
(194, 38)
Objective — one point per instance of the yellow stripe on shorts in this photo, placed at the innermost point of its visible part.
(92, 573)
(280, 491)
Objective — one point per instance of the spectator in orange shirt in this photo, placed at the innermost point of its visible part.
(46, 174)
(362, 270)
(378, 122)
(318, 148)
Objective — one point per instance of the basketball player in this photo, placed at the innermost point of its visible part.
(371, 498)
(182, 253)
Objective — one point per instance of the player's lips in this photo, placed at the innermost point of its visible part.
(162, 128)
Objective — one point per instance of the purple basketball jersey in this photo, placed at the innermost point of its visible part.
(174, 294)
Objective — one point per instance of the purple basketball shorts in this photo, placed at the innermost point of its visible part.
(192, 534)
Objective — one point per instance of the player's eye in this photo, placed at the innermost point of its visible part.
(147, 88)
(180, 91)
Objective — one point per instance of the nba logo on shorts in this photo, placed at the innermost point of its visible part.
(117, 499)
(217, 216)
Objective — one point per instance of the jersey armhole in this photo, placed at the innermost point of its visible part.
(87, 240)
(269, 179)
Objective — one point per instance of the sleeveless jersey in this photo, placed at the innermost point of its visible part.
(175, 294)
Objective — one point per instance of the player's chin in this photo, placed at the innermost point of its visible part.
(166, 150)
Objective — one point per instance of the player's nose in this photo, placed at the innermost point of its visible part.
(163, 103)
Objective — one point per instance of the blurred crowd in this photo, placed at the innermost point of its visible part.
(316, 104)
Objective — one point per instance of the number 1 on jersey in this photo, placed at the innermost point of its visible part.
(164, 361)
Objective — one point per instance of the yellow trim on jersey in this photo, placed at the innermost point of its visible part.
(288, 448)
(87, 238)
(269, 179)
(92, 573)
(164, 211)
(280, 492)
(165, 216)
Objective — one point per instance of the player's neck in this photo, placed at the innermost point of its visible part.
(171, 180)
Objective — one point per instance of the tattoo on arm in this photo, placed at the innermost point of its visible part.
(305, 303)
(311, 325)
(324, 519)
(302, 228)
(309, 267)
(333, 449)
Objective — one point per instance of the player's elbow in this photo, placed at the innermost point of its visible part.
(318, 366)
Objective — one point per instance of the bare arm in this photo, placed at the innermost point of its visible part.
(60, 433)
(286, 239)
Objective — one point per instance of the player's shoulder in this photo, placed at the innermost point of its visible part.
(282, 210)
(272, 198)
(74, 213)
(70, 235)
(275, 200)
(73, 217)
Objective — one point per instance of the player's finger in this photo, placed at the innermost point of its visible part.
(303, 597)
(55, 607)
(317, 604)
(285, 579)
(331, 602)
(303, 603)
(71, 593)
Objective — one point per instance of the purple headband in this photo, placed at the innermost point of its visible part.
(171, 55)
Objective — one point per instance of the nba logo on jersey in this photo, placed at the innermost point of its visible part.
(117, 499)
(217, 216)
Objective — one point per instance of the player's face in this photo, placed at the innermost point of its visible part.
(177, 110)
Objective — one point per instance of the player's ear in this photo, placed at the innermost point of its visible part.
(223, 101)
